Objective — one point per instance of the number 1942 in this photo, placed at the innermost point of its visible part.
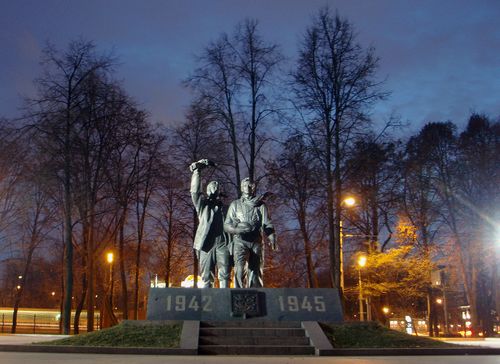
(183, 303)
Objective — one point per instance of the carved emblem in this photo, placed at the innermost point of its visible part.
(245, 303)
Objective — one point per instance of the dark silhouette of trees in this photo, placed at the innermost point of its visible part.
(57, 115)
(295, 179)
(373, 174)
(233, 80)
(334, 84)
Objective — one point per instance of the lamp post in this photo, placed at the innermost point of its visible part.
(110, 258)
(349, 202)
(361, 264)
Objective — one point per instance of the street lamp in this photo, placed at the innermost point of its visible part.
(361, 264)
(349, 202)
(109, 259)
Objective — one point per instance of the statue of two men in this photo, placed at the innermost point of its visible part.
(246, 220)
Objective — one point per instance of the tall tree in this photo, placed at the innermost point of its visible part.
(373, 175)
(334, 84)
(421, 200)
(146, 183)
(56, 113)
(234, 80)
(476, 200)
(295, 178)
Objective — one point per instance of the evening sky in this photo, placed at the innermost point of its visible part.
(441, 58)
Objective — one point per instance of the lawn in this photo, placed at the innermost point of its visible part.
(128, 334)
(374, 335)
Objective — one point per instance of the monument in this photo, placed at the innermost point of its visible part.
(247, 222)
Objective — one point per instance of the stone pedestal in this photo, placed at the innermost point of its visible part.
(226, 304)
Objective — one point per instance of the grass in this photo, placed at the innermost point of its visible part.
(128, 334)
(346, 335)
(374, 335)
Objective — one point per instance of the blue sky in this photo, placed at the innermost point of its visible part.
(441, 58)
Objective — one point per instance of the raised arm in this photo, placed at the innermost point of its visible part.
(196, 194)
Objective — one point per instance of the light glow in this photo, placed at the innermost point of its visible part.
(362, 261)
(109, 257)
(349, 201)
(189, 282)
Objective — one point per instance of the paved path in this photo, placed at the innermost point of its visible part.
(488, 342)
(56, 358)
(42, 358)
(19, 339)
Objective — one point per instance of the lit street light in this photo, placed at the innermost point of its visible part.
(349, 202)
(361, 264)
(110, 258)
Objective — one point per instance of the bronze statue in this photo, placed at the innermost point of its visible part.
(210, 240)
(247, 218)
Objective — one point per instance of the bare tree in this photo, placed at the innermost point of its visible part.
(374, 175)
(146, 183)
(35, 221)
(334, 84)
(56, 112)
(234, 81)
(294, 176)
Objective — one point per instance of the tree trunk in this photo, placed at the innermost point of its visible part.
(81, 302)
(338, 206)
(329, 208)
(312, 279)
(169, 246)
(90, 273)
(123, 275)
(68, 255)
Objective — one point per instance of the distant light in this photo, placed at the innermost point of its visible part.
(189, 282)
(385, 310)
(349, 201)
(20, 277)
(53, 293)
(439, 301)
(109, 257)
(18, 287)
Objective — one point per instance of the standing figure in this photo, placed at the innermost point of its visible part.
(210, 240)
(247, 218)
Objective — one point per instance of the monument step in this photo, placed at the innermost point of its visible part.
(244, 331)
(254, 340)
(251, 324)
(255, 350)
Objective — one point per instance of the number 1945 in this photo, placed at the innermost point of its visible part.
(295, 304)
